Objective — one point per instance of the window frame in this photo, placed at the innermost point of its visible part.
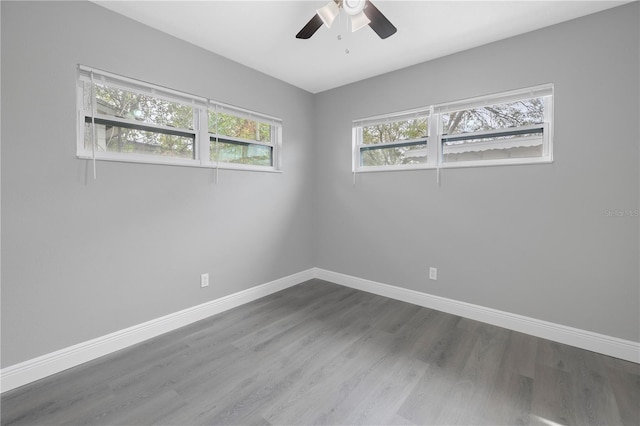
(274, 143)
(436, 139)
(359, 147)
(199, 132)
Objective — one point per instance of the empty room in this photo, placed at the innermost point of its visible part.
(320, 212)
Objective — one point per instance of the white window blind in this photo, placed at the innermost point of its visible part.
(126, 83)
(389, 118)
(244, 113)
(504, 97)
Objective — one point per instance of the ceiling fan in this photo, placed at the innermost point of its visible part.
(361, 12)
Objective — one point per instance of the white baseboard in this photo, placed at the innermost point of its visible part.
(55, 362)
(607, 345)
(46, 365)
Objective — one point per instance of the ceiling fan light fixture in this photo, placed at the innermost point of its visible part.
(358, 21)
(328, 13)
(358, 18)
(353, 7)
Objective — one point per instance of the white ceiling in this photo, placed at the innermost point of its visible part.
(261, 34)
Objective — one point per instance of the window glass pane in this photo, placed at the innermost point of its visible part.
(112, 138)
(499, 116)
(133, 106)
(239, 127)
(241, 153)
(525, 145)
(414, 128)
(86, 97)
(394, 156)
(508, 116)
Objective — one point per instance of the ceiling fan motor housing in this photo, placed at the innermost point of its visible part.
(353, 7)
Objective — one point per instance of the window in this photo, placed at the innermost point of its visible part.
(398, 141)
(122, 119)
(241, 137)
(507, 128)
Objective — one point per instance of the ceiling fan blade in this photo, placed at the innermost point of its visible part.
(379, 23)
(312, 26)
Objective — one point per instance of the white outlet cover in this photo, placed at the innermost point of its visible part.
(204, 280)
(433, 273)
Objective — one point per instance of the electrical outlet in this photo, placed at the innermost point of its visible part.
(204, 280)
(433, 273)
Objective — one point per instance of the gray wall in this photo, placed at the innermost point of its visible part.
(83, 258)
(532, 240)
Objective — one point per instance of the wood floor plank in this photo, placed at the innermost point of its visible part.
(520, 354)
(477, 378)
(150, 410)
(626, 389)
(270, 332)
(320, 353)
(431, 394)
(553, 354)
(380, 395)
(325, 384)
(509, 402)
(595, 401)
(553, 398)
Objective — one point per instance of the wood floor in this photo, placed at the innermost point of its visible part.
(319, 353)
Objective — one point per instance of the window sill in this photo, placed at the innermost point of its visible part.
(456, 165)
(185, 163)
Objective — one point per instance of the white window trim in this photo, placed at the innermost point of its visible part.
(358, 147)
(434, 140)
(275, 144)
(200, 131)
